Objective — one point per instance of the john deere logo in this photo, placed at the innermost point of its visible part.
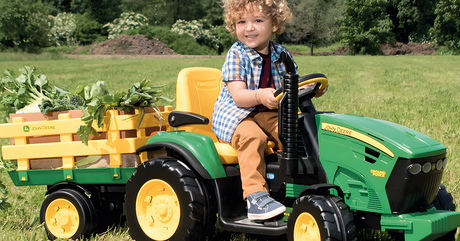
(26, 128)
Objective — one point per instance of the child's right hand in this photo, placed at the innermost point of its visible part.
(265, 97)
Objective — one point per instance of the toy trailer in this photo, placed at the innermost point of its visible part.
(86, 184)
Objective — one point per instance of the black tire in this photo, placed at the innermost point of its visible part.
(320, 218)
(445, 201)
(68, 214)
(210, 210)
(149, 211)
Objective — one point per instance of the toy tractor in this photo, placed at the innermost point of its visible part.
(337, 173)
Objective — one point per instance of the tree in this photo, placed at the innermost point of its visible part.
(166, 13)
(411, 19)
(156, 11)
(366, 25)
(87, 30)
(314, 21)
(215, 12)
(446, 30)
(24, 24)
(103, 11)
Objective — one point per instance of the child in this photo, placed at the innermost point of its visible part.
(245, 114)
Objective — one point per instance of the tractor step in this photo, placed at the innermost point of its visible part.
(266, 223)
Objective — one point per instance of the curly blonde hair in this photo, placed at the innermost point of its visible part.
(277, 10)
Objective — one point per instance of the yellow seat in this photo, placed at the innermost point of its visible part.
(196, 91)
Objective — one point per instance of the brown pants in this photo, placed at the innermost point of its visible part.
(250, 141)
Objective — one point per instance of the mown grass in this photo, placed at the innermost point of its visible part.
(420, 92)
(306, 49)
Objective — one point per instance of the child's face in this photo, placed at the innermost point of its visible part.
(254, 29)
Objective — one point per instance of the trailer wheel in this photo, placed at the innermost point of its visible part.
(315, 217)
(67, 214)
(165, 201)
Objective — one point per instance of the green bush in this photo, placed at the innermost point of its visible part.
(62, 32)
(215, 37)
(365, 25)
(446, 29)
(126, 21)
(180, 43)
(199, 30)
(88, 30)
(226, 39)
(24, 25)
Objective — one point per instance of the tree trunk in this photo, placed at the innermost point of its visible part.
(311, 49)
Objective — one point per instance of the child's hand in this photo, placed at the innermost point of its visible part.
(319, 93)
(265, 97)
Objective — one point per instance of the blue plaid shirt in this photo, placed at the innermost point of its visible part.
(242, 64)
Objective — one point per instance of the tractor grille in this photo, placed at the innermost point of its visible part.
(411, 193)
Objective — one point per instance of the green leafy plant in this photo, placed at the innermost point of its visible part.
(92, 99)
(126, 21)
(4, 204)
(27, 89)
(98, 100)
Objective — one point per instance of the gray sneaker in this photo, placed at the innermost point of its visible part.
(261, 206)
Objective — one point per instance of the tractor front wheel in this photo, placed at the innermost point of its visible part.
(164, 201)
(316, 217)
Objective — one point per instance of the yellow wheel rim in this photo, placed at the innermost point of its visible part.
(157, 209)
(306, 228)
(62, 219)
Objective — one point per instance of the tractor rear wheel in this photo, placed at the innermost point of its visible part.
(316, 217)
(68, 214)
(165, 201)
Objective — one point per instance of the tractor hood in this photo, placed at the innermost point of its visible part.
(391, 138)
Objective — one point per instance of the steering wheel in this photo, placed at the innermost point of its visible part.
(305, 80)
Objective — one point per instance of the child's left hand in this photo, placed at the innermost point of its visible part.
(319, 93)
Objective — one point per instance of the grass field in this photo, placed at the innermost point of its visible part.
(420, 92)
(306, 49)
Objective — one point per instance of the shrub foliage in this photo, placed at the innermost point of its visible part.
(126, 21)
(63, 30)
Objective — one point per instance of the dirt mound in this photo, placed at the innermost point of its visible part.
(410, 48)
(131, 45)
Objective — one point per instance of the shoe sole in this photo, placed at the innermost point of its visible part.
(265, 216)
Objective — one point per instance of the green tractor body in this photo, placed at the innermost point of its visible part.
(367, 159)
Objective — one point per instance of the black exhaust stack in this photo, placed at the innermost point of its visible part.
(287, 118)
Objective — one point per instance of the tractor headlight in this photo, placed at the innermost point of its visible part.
(444, 162)
(439, 164)
(414, 169)
(426, 167)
